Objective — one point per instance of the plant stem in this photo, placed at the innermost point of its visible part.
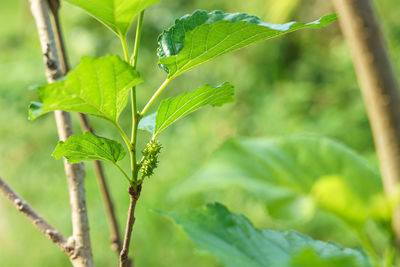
(75, 173)
(131, 154)
(134, 189)
(124, 136)
(124, 173)
(135, 122)
(379, 88)
(135, 115)
(155, 95)
(137, 40)
(124, 47)
(134, 196)
(54, 7)
(38, 222)
(115, 238)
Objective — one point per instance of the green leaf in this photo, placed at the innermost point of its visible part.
(97, 86)
(115, 14)
(148, 123)
(295, 176)
(173, 109)
(236, 242)
(308, 257)
(202, 36)
(87, 146)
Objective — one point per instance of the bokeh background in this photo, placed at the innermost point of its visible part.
(300, 83)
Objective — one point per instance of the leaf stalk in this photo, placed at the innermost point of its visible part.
(125, 174)
(155, 95)
(137, 40)
(124, 47)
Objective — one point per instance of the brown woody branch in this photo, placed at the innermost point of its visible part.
(115, 239)
(379, 88)
(134, 196)
(38, 221)
(75, 173)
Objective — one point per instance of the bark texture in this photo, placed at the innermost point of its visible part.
(82, 253)
(379, 88)
(115, 240)
(134, 196)
(39, 222)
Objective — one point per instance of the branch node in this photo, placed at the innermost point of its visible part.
(50, 64)
(114, 243)
(70, 246)
(19, 204)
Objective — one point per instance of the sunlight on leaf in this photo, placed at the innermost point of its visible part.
(97, 86)
(201, 37)
(87, 146)
(117, 15)
(175, 108)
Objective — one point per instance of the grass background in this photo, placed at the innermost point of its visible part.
(300, 83)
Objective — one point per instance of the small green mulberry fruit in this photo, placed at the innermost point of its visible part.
(150, 160)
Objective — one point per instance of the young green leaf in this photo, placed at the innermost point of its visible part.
(295, 177)
(175, 108)
(148, 123)
(97, 86)
(236, 242)
(202, 36)
(115, 14)
(87, 146)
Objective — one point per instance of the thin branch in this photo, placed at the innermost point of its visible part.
(135, 53)
(38, 221)
(124, 136)
(134, 196)
(124, 173)
(115, 239)
(75, 173)
(54, 8)
(124, 47)
(135, 112)
(155, 95)
(379, 88)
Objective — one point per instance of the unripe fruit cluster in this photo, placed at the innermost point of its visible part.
(150, 158)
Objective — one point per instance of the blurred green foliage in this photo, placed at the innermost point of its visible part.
(236, 242)
(300, 83)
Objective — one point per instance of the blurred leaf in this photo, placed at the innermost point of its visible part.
(148, 123)
(87, 146)
(292, 209)
(202, 36)
(281, 10)
(175, 108)
(332, 193)
(308, 257)
(115, 14)
(97, 86)
(236, 242)
(294, 176)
